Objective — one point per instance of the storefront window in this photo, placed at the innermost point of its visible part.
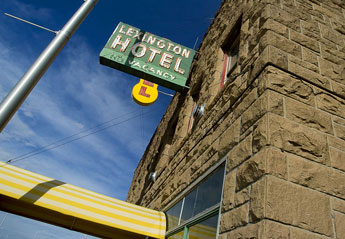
(196, 214)
(204, 230)
(174, 215)
(178, 235)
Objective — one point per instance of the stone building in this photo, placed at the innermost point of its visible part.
(256, 147)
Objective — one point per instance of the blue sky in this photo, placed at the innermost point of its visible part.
(77, 93)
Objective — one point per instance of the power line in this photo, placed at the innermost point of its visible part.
(31, 23)
(68, 137)
(54, 146)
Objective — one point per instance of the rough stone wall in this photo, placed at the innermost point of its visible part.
(281, 123)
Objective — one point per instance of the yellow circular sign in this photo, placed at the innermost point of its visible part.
(145, 93)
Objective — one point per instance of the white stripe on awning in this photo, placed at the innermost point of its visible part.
(45, 199)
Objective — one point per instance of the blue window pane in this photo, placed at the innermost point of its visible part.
(173, 215)
(209, 192)
(204, 230)
(189, 205)
(178, 235)
(206, 195)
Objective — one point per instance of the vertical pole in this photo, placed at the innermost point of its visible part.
(22, 89)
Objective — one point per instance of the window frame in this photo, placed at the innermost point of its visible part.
(202, 216)
(228, 58)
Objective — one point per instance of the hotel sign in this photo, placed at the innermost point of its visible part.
(148, 56)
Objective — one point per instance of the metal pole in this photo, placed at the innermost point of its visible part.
(24, 86)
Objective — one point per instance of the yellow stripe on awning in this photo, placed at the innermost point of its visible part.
(45, 199)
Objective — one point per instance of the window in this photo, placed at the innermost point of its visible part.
(230, 60)
(230, 53)
(196, 113)
(196, 215)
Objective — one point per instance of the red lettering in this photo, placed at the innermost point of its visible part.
(143, 92)
(148, 83)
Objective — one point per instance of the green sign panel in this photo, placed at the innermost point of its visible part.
(148, 56)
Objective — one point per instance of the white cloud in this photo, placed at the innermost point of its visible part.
(29, 11)
(75, 94)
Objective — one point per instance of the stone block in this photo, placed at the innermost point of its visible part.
(278, 57)
(310, 57)
(332, 54)
(324, 10)
(229, 191)
(250, 172)
(284, 18)
(310, 75)
(316, 176)
(274, 230)
(240, 153)
(339, 222)
(229, 138)
(249, 231)
(338, 205)
(339, 131)
(338, 120)
(280, 42)
(275, 103)
(243, 105)
(302, 234)
(332, 70)
(298, 206)
(308, 116)
(254, 112)
(275, 26)
(330, 103)
(260, 134)
(298, 139)
(222, 236)
(337, 158)
(242, 196)
(267, 161)
(304, 64)
(339, 89)
(303, 12)
(305, 41)
(284, 83)
(336, 143)
(339, 26)
(331, 35)
(311, 29)
(258, 200)
(235, 218)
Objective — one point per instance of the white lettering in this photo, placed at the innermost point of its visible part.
(121, 29)
(130, 31)
(177, 50)
(166, 60)
(147, 68)
(185, 53)
(142, 52)
(177, 66)
(144, 37)
(154, 52)
(151, 40)
(161, 44)
(134, 63)
(152, 70)
(170, 45)
(137, 34)
(117, 41)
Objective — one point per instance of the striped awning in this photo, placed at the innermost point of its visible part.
(52, 201)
